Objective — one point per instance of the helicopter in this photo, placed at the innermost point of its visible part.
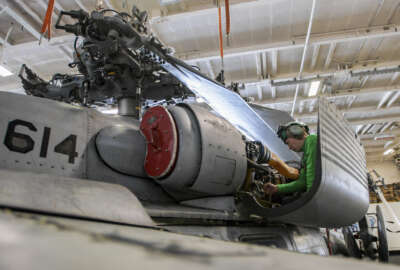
(165, 161)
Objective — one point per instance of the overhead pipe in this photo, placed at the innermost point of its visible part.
(375, 72)
(302, 81)
(304, 55)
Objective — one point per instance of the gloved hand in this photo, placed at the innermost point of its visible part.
(270, 188)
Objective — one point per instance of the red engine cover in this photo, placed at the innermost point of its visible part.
(158, 127)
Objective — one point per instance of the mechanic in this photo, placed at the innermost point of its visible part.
(296, 136)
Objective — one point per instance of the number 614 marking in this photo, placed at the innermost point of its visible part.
(22, 143)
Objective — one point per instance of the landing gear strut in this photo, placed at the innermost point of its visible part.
(374, 246)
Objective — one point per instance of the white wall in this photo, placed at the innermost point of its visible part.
(387, 169)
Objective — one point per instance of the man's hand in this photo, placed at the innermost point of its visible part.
(270, 188)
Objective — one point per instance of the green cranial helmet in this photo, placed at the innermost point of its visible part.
(293, 130)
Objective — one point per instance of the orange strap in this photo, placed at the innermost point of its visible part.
(47, 19)
(228, 18)
(221, 48)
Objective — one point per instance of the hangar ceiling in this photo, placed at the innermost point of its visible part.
(352, 51)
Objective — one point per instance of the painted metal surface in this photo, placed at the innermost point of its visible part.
(223, 163)
(41, 242)
(159, 129)
(292, 238)
(35, 115)
(53, 123)
(211, 158)
(123, 149)
(71, 197)
(188, 157)
(339, 196)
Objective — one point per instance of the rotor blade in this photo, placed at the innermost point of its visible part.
(230, 106)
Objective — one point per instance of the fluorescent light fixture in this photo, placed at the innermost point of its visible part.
(4, 72)
(314, 88)
(168, 2)
(389, 151)
(110, 111)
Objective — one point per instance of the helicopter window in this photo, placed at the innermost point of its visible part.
(276, 241)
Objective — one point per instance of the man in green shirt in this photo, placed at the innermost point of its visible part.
(296, 136)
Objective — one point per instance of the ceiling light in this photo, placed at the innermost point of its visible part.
(168, 2)
(314, 88)
(5, 72)
(389, 151)
(109, 111)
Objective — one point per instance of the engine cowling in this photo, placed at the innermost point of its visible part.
(193, 153)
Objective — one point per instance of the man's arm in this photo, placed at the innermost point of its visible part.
(298, 185)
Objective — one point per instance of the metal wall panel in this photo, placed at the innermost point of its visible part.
(339, 196)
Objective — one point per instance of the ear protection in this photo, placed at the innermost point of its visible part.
(292, 129)
(295, 131)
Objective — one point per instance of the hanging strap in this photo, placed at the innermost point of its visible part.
(47, 21)
(228, 21)
(221, 44)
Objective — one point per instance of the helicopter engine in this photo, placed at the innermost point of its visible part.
(180, 147)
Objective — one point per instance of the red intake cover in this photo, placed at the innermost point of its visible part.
(158, 127)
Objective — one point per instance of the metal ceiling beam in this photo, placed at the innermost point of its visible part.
(393, 99)
(374, 150)
(366, 109)
(22, 22)
(30, 12)
(315, 56)
(259, 92)
(273, 92)
(81, 5)
(368, 128)
(343, 93)
(332, 48)
(384, 127)
(274, 62)
(203, 9)
(374, 144)
(377, 158)
(264, 64)
(210, 70)
(32, 46)
(297, 42)
(2, 41)
(355, 122)
(383, 149)
(323, 74)
(108, 4)
(259, 67)
(393, 133)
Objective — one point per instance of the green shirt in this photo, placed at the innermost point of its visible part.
(307, 171)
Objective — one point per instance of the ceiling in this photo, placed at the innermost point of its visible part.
(353, 50)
